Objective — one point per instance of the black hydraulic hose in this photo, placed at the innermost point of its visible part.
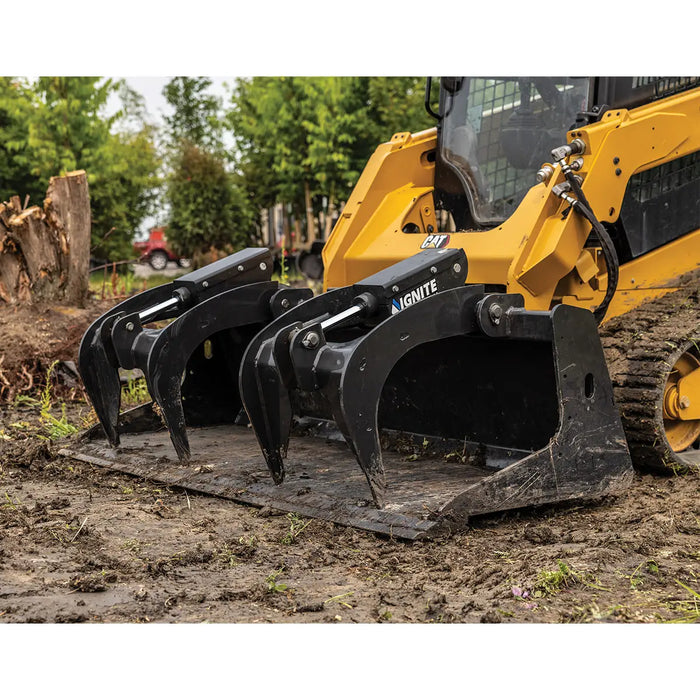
(612, 262)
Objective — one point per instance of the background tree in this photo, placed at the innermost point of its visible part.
(206, 210)
(124, 188)
(196, 113)
(270, 120)
(303, 142)
(206, 206)
(59, 124)
(396, 104)
(249, 119)
(17, 101)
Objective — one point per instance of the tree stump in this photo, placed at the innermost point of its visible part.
(45, 253)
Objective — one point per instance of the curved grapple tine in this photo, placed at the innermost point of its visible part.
(197, 356)
(169, 357)
(292, 353)
(97, 362)
(352, 375)
(267, 378)
(271, 415)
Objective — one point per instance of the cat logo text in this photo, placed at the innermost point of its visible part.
(436, 240)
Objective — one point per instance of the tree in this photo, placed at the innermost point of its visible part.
(304, 140)
(249, 120)
(207, 208)
(196, 113)
(66, 127)
(124, 186)
(270, 122)
(57, 125)
(396, 104)
(17, 102)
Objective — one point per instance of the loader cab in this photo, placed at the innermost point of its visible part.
(493, 136)
(495, 133)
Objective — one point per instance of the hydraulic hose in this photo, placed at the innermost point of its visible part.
(612, 262)
(581, 205)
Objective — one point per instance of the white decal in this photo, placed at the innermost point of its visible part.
(436, 240)
(409, 298)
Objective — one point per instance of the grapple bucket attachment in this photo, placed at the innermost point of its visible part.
(403, 404)
(415, 359)
(191, 365)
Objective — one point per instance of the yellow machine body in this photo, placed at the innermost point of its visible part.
(536, 252)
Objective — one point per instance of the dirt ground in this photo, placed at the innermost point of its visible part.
(33, 337)
(83, 544)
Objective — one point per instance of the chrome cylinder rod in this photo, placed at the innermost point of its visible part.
(149, 314)
(349, 314)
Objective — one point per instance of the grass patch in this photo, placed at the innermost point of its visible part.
(549, 583)
(637, 577)
(226, 556)
(690, 607)
(272, 585)
(135, 392)
(296, 526)
(120, 282)
(284, 268)
(132, 545)
(340, 599)
(56, 427)
(52, 415)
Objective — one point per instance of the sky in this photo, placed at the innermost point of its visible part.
(152, 88)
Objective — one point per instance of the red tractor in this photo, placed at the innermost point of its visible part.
(155, 251)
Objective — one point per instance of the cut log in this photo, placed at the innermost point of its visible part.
(45, 253)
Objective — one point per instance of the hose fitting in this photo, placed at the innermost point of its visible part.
(545, 172)
(576, 147)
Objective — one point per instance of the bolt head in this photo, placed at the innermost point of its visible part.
(240, 268)
(433, 270)
(457, 267)
(311, 340)
(394, 289)
(263, 266)
(129, 326)
(684, 402)
(205, 284)
(495, 313)
(285, 303)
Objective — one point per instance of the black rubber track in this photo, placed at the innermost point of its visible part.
(641, 347)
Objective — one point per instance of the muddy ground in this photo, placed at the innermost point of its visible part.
(83, 544)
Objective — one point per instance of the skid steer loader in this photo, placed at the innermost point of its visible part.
(510, 318)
